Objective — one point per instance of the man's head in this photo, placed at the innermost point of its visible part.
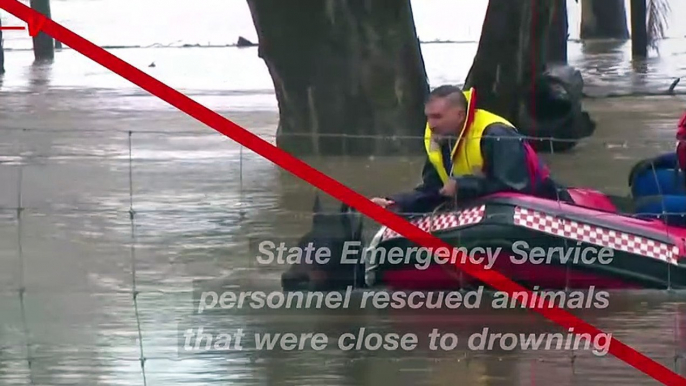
(446, 111)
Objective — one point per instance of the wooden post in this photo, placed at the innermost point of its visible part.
(603, 19)
(43, 46)
(639, 29)
(2, 53)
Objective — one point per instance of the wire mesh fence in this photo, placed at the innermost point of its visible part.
(21, 204)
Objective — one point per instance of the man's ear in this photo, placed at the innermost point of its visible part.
(463, 114)
(463, 117)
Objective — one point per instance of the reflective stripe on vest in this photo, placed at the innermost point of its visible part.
(466, 154)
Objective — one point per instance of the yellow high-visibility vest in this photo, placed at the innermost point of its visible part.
(466, 154)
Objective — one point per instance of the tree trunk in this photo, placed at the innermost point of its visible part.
(603, 19)
(43, 45)
(513, 80)
(639, 30)
(558, 36)
(511, 53)
(344, 67)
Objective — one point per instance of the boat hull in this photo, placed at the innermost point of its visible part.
(535, 242)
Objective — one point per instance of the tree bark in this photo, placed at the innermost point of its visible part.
(512, 52)
(558, 36)
(344, 67)
(43, 45)
(513, 79)
(603, 19)
(639, 30)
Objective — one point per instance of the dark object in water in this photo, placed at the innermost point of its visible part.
(339, 233)
(673, 86)
(553, 110)
(243, 42)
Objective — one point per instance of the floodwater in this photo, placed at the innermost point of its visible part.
(80, 147)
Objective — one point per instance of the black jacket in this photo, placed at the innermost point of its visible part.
(505, 170)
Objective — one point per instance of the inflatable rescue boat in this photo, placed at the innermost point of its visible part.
(536, 242)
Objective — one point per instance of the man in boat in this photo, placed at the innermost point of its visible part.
(658, 184)
(471, 153)
(681, 144)
(664, 174)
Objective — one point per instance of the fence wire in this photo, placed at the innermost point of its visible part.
(132, 216)
(595, 140)
(21, 161)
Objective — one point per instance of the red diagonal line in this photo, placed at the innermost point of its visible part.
(328, 184)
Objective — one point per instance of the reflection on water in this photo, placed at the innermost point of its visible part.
(201, 202)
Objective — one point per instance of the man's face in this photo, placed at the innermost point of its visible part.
(445, 119)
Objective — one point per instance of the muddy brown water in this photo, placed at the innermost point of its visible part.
(201, 203)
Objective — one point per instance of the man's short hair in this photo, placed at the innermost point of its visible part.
(452, 93)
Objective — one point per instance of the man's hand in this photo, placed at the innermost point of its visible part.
(382, 202)
(449, 189)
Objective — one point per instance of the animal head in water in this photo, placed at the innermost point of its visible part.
(338, 233)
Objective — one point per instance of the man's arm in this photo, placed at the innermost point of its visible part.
(505, 165)
(424, 196)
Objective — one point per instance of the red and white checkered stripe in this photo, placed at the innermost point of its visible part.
(442, 221)
(595, 235)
